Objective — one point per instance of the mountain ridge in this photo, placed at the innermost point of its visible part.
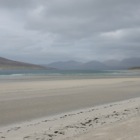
(97, 65)
(12, 64)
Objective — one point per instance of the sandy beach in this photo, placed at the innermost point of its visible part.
(127, 129)
(68, 109)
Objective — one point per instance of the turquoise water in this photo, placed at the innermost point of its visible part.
(86, 73)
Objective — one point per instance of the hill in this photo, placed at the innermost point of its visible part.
(94, 65)
(11, 64)
(65, 65)
(97, 65)
(134, 68)
(74, 65)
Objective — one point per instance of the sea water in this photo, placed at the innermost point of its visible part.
(54, 74)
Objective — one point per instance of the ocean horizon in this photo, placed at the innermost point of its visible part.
(67, 73)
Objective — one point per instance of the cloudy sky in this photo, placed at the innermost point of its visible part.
(43, 31)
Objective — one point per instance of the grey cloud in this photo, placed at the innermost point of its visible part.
(132, 35)
(76, 18)
(50, 30)
(12, 4)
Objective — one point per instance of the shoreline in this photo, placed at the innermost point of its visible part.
(68, 126)
(69, 76)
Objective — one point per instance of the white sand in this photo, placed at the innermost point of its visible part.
(128, 129)
(103, 122)
(28, 103)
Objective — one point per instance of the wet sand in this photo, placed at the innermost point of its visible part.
(25, 100)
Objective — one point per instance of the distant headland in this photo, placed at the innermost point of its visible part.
(11, 64)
